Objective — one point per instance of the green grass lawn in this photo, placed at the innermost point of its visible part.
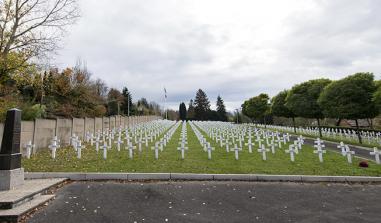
(196, 161)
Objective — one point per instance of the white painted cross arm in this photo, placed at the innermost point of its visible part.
(376, 153)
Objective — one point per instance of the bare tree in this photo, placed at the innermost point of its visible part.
(32, 28)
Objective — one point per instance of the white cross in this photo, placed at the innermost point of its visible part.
(296, 146)
(227, 143)
(342, 147)
(104, 147)
(209, 148)
(250, 144)
(97, 141)
(348, 153)
(259, 140)
(54, 146)
(156, 148)
(73, 140)
(140, 141)
(79, 149)
(272, 146)
(263, 150)
(279, 141)
(291, 150)
(376, 153)
(92, 137)
(29, 148)
(320, 151)
(110, 137)
(131, 150)
(182, 148)
(236, 151)
(118, 142)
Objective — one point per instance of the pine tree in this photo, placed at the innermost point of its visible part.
(201, 105)
(221, 109)
(190, 113)
(127, 105)
(183, 111)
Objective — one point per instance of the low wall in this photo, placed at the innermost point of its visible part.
(41, 131)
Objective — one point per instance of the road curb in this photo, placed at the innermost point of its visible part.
(202, 177)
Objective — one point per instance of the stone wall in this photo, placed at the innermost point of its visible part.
(41, 131)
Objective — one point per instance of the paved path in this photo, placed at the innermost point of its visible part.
(212, 202)
(360, 152)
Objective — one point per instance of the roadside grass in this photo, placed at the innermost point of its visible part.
(196, 161)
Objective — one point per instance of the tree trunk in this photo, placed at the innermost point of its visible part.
(338, 122)
(264, 121)
(370, 120)
(293, 123)
(358, 131)
(318, 121)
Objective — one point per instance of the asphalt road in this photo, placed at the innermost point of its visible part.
(212, 202)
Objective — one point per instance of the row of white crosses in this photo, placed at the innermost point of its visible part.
(202, 140)
(226, 134)
(153, 129)
(223, 134)
(371, 137)
(159, 145)
(183, 140)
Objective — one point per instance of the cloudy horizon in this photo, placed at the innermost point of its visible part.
(236, 49)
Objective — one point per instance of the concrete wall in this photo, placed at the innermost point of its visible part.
(90, 125)
(98, 124)
(27, 131)
(1, 132)
(79, 127)
(42, 131)
(63, 131)
(106, 123)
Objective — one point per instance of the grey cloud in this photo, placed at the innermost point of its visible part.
(158, 43)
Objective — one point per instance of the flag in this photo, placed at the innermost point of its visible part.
(165, 93)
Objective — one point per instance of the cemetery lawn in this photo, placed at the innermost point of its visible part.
(306, 162)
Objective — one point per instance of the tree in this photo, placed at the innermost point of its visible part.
(302, 99)
(350, 98)
(183, 111)
(201, 105)
(190, 113)
(279, 108)
(257, 108)
(377, 96)
(127, 105)
(32, 28)
(221, 109)
(114, 100)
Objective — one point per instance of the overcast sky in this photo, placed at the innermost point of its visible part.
(235, 48)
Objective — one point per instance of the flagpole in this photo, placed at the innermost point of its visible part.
(166, 110)
(165, 104)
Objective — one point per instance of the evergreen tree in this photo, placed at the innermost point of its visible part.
(221, 109)
(127, 105)
(190, 113)
(183, 111)
(201, 105)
